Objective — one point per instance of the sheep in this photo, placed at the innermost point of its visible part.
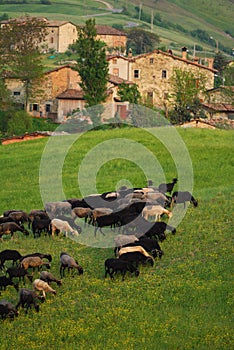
(40, 255)
(48, 277)
(27, 298)
(4, 219)
(43, 286)
(7, 309)
(58, 208)
(81, 212)
(149, 245)
(130, 249)
(62, 226)
(112, 219)
(18, 272)
(157, 230)
(158, 197)
(183, 197)
(40, 225)
(19, 216)
(70, 263)
(9, 254)
(36, 213)
(5, 281)
(70, 221)
(137, 258)
(98, 212)
(112, 266)
(10, 228)
(33, 262)
(167, 187)
(121, 240)
(155, 211)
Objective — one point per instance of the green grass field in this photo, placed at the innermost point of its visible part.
(185, 301)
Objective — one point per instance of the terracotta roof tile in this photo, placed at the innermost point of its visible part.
(72, 94)
(106, 30)
(220, 107)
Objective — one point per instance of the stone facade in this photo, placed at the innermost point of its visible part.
(60, 35)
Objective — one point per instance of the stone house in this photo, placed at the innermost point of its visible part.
(61, 95)
(219, 103)
(152, 73)
(115, 40)
(60, 34)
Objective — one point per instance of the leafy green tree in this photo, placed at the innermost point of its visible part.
(92, 66)
(141, 41)
(129, 93)
(187, 88)
(20, 52)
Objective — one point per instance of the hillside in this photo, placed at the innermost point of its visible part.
(203, 25)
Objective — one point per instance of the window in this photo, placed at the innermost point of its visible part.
(51, 40)
(16, 93)
(136, 73)
(151, 60)
(34, 107)
(48, 107)
(114, 60)
(150, 97)
(164, 73)
(116, 72)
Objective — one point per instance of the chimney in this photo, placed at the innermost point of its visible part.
(210, 62)
(184, 53)
(196, 59)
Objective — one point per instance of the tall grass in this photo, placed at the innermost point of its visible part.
(184, 301)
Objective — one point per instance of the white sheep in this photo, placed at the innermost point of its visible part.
(137, 248)
(62, 226)
(42, 286)
(155, 211)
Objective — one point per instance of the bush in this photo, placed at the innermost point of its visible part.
(19, 123)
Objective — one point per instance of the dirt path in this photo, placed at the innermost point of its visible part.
(106, 3)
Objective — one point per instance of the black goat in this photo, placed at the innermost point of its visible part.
(9, 254)
(150, 245)
(5, 281)
(183, 197)
(111, 220)
(19, 272)
(113, 266)
(167, 187)
(158, 229)
(27, 298)
(41, 225)
(137, 258)
(7, 309)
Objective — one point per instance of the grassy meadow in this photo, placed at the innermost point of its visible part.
(185, 301)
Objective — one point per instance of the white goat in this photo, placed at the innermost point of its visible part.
(62, 226)
(43, 287)
(155, 211)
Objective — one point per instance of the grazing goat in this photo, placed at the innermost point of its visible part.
(62, 226)
(58, 208)
(137, 258)
(183, 197)
(5, 281)
(36, 214)
(150, 245)
(155, 211)
(11, 227)
(43, 286)
(112, 266)
(7, 309)
(41, 225)
(27, 298)
(167, 187)
(18, 272)
(4, 219)
(81, 212)
(70, 263)
(40, 255)
(48, 277)
(112, 220)
(158, 229)
(33, 262)
(121, 240)
(19, 216)
(9, 254)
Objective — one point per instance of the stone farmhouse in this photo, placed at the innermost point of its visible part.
(152, 72)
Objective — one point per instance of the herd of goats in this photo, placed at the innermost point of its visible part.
(134, 215)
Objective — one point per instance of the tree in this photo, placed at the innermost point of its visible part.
(129, 93)
(187, 88)
(141, 41)
(219, 63)
(20, 46)
(92, 65)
